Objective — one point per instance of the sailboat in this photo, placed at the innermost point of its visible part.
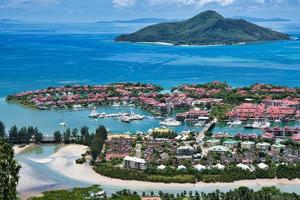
(63, 123)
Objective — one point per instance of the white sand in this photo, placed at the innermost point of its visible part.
(17, 149)
(64, 162)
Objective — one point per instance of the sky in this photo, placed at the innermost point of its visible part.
(105, 10)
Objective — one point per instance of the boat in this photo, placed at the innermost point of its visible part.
(254, 125)
(77, 107)
(235, 122)
(170, 122)
(125, 119)
(199, 123)
(265, 125)
(63, 124)
(94, 114)
(277, 121)
(115, 104)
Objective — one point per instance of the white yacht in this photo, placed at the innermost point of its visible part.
(170, 122)
(94, 114)
(199, 123)
(265, 124)
(277, 121)
(63, 124)
(235, 122)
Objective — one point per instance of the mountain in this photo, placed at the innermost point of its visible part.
(256, 19)
(141, 20)
(206, 28)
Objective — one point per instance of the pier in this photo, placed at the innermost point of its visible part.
(207, 127)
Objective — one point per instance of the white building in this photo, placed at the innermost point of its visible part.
(199, 167)
(264, 146)
(135, 163)
(218, 148)
(248, 145)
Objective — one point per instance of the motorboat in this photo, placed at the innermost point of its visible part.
(94, 114)
(199, 123)
(170, 122)
(63, 124)
(235, 122)
(277, 121)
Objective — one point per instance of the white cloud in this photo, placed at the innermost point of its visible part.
(123, 3)
(128, 3)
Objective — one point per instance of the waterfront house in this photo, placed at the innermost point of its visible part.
(218, 149)
(185, 151)
(263, 146)
(161, 167)
(263, 166)
(181, 167)
(135, 163)
(247, 145)
(278, 147)
(212, 142)
(199, 167)
(231, 144)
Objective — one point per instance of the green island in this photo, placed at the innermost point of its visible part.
(206, 28)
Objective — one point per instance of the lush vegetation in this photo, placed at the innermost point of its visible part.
(206, 28)
(190, 175)
(9, 172)
(75, 194)
(242, 193)
(24, 135)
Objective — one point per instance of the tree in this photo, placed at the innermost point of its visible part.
(38, 135)
(84, 131)
(67, 135)
(9, 170)
(2, 130)
(57, 136)
(98, 141)
(13, 134)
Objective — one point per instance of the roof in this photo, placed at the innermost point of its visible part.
(218, 148)
(199, 167)
(263, 166)
(230, 141)
(135, 159)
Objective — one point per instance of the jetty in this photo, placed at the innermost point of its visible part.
(206, 128)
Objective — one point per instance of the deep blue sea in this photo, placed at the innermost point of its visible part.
(38, 55)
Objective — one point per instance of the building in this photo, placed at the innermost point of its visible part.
(231, 144)
(185, 151)
(192, 115)
(247, 111)
(135, 163)
(278, 147)
(218, 149)
(264, 146)
(247, 145)
(212, 142)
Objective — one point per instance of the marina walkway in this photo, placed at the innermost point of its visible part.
(201, 134)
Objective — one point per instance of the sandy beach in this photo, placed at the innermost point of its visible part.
(17, 149)
(64, 162)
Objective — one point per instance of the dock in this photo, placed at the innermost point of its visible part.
(207, 127)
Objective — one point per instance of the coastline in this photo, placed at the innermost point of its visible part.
(63, 161)
(17, 149)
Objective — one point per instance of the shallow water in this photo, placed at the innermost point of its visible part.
(37, 55)
(45, 178)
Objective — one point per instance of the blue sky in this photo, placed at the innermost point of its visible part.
(96, 10)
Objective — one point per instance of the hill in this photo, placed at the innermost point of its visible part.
(206, 28)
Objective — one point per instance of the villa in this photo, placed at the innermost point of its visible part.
(135, 163)
(212, 142)
(218, 148)
(231, 144)
(264, 146)
(247, 145)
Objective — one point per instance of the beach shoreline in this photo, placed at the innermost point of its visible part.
(64, 162)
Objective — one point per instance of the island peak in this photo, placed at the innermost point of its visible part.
(206, 28)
